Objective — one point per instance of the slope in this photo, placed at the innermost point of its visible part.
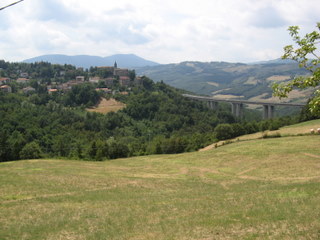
(85, 61)
(262, 189)
(293, 130)
(221, 79)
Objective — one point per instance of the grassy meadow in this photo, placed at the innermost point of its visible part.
(302, 128)
(259, 189)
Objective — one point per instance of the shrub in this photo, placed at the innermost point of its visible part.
(273, 135)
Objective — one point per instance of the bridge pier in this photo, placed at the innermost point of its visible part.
(237, 109)
(238, 105)
(268, 111)
(212, 105)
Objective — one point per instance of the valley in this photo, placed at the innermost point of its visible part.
(182, 170)
(211, 133)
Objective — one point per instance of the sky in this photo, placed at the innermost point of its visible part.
(165, 31)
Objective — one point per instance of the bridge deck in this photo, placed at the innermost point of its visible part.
(242, 101)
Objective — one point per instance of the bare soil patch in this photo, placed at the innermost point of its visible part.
(106, 106)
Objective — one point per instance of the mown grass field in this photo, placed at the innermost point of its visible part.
(293, 130)
(259, 189)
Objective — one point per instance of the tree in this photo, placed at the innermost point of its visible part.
(224, 131)
(93, 150)
(132, 74)
(82, 94)
(307, 55)
(16, 142)
(4, 146)
(31, 151)
(238, 129)
(102, 151)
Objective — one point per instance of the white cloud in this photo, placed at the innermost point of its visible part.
(164, 31)
(268, 17)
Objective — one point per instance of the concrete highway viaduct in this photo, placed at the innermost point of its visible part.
(237, 106)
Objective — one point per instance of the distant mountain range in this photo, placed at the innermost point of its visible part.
(86, 61)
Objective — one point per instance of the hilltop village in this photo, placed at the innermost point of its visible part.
(58, 78)
(110, 77)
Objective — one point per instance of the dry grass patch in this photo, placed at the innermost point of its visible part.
(299, 96)
(213, 84)
(219, 91)
(296, 94)
(106, 106)
(238, 68)
(261, 97)
(227, 96)
(278, 78)
(252, 81)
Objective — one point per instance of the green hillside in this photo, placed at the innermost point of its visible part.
(259, 189)
(156, 119)
(225, 79)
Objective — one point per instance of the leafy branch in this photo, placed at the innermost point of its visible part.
(306, 54)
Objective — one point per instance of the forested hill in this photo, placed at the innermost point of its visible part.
(157, 119)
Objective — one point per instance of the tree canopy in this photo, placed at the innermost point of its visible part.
(156, 119)
(306, 53)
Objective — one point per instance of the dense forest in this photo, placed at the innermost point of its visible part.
(156, 120)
